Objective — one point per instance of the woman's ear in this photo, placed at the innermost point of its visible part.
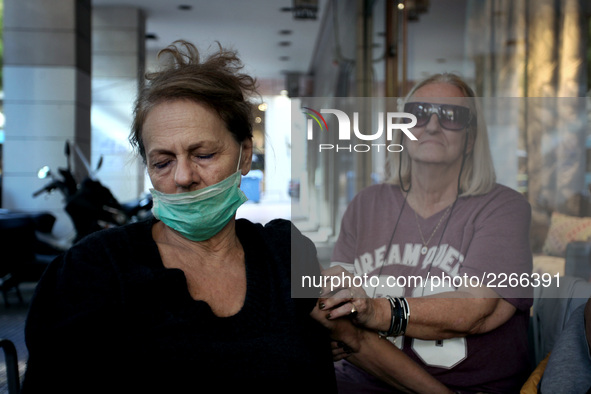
(246, 157)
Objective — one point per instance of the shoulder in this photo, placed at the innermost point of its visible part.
(281, 237)
(501, 208)
(506, 193)
(501, 198)
(280, 226)
(246, 228)
(112, 250)
(93, 265)
(569, 363)
(121, 237)
(277, 232)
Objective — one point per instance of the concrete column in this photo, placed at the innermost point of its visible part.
(47, 53)
(118, 64)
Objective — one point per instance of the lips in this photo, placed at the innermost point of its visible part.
(425, 141)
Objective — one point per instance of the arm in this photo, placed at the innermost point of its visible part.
(378, 357)
(385, 361)
(449, 317)
(73, 317)
(441, 316)
(499, 245)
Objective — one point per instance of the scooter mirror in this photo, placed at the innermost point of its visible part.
(43, 172)
(67, 153)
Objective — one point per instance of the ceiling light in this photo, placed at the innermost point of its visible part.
(305, 9)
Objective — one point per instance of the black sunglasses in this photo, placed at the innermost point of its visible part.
(451, 117)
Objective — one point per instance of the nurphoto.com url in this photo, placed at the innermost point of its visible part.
(487, 279)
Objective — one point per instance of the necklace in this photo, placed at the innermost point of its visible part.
(426, 243)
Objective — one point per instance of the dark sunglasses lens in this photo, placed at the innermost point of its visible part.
(454, 117)
(451, 117)
(421, 111)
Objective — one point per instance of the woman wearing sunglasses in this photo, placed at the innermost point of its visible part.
(438, 238)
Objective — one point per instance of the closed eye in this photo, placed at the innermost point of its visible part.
(161, 165)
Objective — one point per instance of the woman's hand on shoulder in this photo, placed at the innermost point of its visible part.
(342, 299)
(346, 337)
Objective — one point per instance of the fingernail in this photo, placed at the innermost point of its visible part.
(328, 316)
(321, 305)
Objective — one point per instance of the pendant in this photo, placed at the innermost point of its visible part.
(424, 250)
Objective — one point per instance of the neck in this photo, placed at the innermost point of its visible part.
(214, 249)
(433, 188)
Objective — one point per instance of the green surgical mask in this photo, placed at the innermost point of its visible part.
(200, 214)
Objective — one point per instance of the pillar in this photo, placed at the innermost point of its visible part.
(47, 67)
(118, 64)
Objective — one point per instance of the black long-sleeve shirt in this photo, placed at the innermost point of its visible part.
(108, 317)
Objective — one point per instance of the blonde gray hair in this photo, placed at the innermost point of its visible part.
(478, 174)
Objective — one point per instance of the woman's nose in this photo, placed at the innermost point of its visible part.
(185, 175)
(433, 124)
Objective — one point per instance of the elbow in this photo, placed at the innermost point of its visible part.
(475, 319)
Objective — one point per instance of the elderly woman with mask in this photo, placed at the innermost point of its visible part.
(441, 216)
(193, 300)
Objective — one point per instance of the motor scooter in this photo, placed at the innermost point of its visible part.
(90, 205)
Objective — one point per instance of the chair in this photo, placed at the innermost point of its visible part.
(13, 377)
(9, 282)
(18, 245)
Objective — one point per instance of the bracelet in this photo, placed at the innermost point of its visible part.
(406, 310)
(400, 314)
(392, 314)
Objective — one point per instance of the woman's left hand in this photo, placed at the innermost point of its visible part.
(347, 301)
(346, 337)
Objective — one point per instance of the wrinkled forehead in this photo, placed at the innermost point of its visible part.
(441, 93)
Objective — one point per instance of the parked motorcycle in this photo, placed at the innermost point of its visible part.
(27, 239)
(90, 204)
